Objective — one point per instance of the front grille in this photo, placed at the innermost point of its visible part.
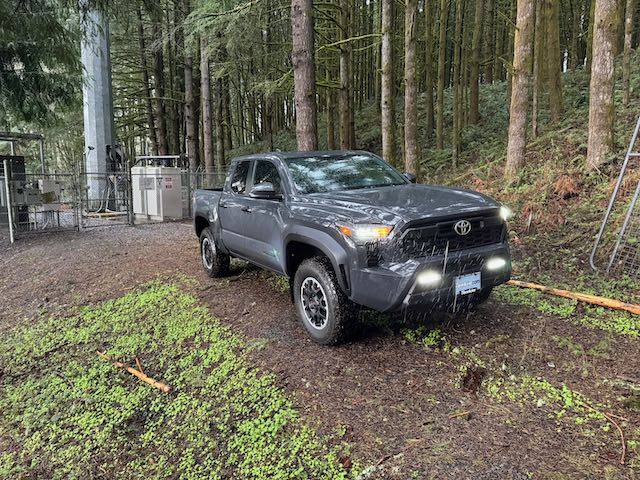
(436, 238)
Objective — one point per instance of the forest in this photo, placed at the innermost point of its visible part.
(415, 82)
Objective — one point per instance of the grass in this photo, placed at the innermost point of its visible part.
(612, 321)
(66, 413)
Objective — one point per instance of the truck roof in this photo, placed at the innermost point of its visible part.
(289, 155)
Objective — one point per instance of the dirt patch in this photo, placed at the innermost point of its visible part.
(405, 406)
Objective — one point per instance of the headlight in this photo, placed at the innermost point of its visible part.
(429, 278)
(366, 233)
(496, 263)
(505, 213)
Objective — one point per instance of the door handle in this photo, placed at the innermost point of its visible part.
(246, 209)
(222, 204)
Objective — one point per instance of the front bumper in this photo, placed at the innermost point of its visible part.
(393, 286)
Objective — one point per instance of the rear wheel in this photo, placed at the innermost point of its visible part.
(323, 308)
(214, 262)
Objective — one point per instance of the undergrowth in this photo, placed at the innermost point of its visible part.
(613, 321)
(66, 413)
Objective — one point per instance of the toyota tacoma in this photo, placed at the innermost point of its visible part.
(350, 231)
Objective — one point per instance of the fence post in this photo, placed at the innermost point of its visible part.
(129, 178)
(8, 197)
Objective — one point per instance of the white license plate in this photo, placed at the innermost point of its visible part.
(466, 284)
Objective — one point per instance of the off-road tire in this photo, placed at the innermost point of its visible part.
(216, 264)
(340, 310)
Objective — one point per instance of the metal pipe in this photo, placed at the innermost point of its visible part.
(8, 196)
(627, 218)
(629, 154)
(42, 165)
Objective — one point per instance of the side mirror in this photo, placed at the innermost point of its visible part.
(264, 190)
(410, 176)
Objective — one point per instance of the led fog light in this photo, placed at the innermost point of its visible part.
(496, 263)
(430, 278)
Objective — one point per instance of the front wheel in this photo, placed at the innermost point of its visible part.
(214, 262)
(323, 308)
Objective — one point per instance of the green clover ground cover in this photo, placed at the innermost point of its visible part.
(66, 413)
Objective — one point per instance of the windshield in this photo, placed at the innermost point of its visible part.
(341, 172)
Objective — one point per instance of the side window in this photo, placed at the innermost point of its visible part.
(239, 179)
(267, 172)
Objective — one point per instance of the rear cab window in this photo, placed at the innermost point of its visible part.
(238, 184)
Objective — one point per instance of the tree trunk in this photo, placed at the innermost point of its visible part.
(347, 131)
(455, 84)
(510, 45)
(428, 66)
(205, 93)
(520, 88)
(189, 112)
(474, 108)
(151, 127)
(489, 44)
(626, 62)
(158, 74)
(592, 11)
(410, 90)
(442, 52)
(304, 74)
(539, 42)
(387, 106)
(601, 109)
(218, 119)
(574, 48)
(554, 59)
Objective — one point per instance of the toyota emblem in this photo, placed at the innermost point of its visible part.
(463, 227)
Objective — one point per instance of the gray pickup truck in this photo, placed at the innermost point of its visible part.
(349, 230)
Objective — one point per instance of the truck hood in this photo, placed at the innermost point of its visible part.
(392, 204)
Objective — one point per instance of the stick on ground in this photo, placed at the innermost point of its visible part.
(581, 297)
(154, 383)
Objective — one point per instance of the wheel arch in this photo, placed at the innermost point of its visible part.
(300, 247)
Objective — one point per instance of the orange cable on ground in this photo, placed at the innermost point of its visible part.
(581, 297)
(154, 383)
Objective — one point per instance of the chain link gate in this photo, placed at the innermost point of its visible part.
(625, 256)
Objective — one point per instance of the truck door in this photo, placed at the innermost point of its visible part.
(233, 209)
(264, 231)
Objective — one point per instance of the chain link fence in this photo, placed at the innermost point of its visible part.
(32, 203)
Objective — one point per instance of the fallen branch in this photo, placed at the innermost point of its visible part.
(460, 414)
(622, 439)
(581, 297)
(154, 383)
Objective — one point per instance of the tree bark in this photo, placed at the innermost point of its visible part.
(592, 11)
(520, 88)
(151, 127)
(489, 36)
(205, 93)
(410, 90)
(158, 74)
(189, 112)
(428, 66)
(218, 113)
(574, 47)
(387, 105)
(455, 84)
(442, 51)
(626, 61)
(601, 109)
(554, 59)
(539, 42)
(347, 130)
(474, 80)
(304, 74)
